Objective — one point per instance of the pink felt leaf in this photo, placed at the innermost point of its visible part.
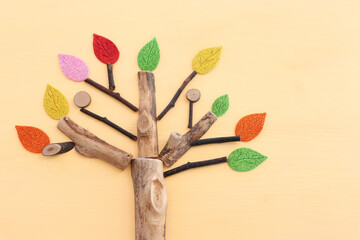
(73, 67)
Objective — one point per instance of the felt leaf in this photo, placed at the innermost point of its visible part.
(33, 139)
(250, 126)
(245, 159)
(105, 50)
(221, 105)
(149, 56)
(55, 104)
(206, 59)
(73, 67)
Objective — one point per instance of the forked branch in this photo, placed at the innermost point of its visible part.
(89, 145)
(178, 145)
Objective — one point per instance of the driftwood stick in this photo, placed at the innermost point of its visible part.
(190, 165)
(215, 140)
(147, 174)
(146, 125)
(176, 148)
(109, 123)
(111, 93)
(89, 145)
(173, 141)
(57, 148)
(110, 76)
(177, 95)
(150, 199)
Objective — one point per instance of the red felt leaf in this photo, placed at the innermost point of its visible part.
(250, 126)
(105, 50)
(33, 139)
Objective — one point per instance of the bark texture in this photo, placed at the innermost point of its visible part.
(150, 199)
(146, 126)
(89, 145)
(147, 173)
(175, 148)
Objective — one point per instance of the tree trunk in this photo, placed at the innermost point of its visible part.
(146, 125)
(147, 173)
(150, 199)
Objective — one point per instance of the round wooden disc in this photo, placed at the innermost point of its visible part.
(193, 95)
(51, 149)
(82, 99)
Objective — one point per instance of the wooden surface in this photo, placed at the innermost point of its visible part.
(150, 199)
(82, 99)
(148, 143)
(297, 60)
(147, 174)
(89, 145)
(175, 149)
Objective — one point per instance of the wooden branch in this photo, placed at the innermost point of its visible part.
(173, 141)
(111, 93)
(109, 123)
(147, 173)
(146, 126)
(177, 95)
(190, 165)
(57, 148)
(176, 148)
(110, 77)
(89, 145)
(216, 140)
(150, 199)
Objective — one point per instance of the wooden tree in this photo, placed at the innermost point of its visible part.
(147, 169)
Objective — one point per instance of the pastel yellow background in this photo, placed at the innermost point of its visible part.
(297, 60)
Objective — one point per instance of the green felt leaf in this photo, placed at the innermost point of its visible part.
(221, 105)
(245, 159)
(149, 56)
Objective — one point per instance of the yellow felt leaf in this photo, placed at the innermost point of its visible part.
(55, 104)
(206, 59)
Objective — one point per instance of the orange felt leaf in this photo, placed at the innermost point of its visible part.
(33, 139)
(250, 126)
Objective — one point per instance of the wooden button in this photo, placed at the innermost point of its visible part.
(82, 99)
(193, 95)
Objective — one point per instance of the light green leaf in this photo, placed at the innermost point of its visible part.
(221, 105)
(149, 56)
(245, 159)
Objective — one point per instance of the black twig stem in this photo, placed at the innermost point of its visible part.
(215, 140)
(177, 95)
(190, 165)
(191, 104)
(111, 93)
(108, 122)
(111, 77)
